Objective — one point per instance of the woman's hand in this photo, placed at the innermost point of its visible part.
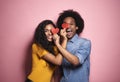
(63, 34)
(56, 39)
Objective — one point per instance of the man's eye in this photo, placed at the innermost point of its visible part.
(72, 24)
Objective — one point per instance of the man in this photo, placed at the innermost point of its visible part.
(76, 61)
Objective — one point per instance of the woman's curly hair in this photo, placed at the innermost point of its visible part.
(40, 37)
(70, 13)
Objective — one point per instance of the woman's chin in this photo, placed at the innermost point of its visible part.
(50, 40)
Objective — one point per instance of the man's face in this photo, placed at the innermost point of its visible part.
(71, 31)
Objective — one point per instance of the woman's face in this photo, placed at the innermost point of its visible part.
(71, 31)
(48, 32)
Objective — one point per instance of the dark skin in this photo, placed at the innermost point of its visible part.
(57, 60)
(72, 31)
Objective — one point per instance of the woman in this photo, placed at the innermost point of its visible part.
(45, 55)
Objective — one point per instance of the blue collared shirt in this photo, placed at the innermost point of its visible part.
(81, 48)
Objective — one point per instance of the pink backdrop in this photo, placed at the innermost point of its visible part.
(19, 18)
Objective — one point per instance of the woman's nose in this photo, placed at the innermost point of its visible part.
(49, 32)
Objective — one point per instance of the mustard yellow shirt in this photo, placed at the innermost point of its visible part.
(41, 70)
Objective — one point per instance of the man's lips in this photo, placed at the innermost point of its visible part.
(68, 30)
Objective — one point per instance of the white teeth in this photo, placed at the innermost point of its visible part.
(68, 30)
(49, 37)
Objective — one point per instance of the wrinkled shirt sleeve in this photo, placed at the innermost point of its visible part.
(83, 51)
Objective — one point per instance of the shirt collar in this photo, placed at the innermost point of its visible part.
(73, 38)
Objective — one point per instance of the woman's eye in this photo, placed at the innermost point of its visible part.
(45, 30)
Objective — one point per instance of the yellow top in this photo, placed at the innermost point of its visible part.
(41, 69)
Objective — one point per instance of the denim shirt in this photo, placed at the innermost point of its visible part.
(81, 48)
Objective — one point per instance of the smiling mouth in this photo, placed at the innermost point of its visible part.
(50, 37)
(68, 30)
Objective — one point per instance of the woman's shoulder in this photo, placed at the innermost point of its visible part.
(39, 49)
(36, 46)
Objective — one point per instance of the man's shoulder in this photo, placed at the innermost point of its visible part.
(82, 39)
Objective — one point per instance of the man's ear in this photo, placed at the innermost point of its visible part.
(76, 27)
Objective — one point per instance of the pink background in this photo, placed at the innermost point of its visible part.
(19, 18)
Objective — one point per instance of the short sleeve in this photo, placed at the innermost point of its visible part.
(56, 50)
(39, 50)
